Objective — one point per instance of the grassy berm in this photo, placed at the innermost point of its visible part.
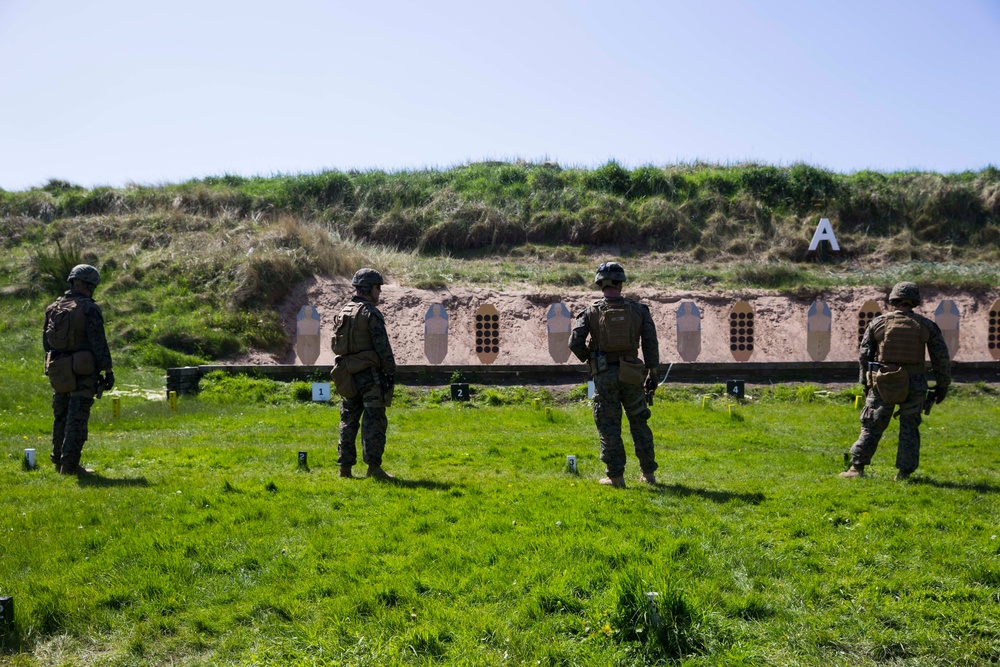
(202, 543)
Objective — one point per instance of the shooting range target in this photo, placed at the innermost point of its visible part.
(559, 324)
(436, 334)
(742, 332)
(487, 333)
(307, 337)
(819, 323)
(688, 330)
(947, 317)
(993, 337)
(869, 311)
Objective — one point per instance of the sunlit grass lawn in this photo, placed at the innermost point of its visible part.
(202, 543)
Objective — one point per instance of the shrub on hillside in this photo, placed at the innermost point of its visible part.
(611, 178)
(399, 228)
(658, 222)
(651, 182)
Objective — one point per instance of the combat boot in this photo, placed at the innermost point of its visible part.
(617, 482)
(77, 470)
(345, 471)
(855, 470)
(902, 476)
(647, 478)
(377, 473)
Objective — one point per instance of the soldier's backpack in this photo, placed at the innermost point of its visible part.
(66, 329)
(345, 330)
(616, 328)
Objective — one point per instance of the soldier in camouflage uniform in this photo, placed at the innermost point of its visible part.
(899, 339)
(367, 339)
(71, 409)
(616, 326)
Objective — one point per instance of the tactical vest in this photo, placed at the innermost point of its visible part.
(66, 328)
(350, 331)
(615, 327)
(904, 340)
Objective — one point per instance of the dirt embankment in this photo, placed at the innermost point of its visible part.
(780, 321)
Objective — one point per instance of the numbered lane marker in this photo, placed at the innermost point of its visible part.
(321, 391)
(460, 391)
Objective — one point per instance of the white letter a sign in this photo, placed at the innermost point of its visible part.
(824, 232)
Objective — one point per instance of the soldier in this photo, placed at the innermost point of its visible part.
(892, 350)
(616, 326)
(76, 350)
(362, 345)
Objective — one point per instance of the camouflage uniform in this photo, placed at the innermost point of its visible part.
(877, 414)
(367, 409)
(612, 395)
(71, 410)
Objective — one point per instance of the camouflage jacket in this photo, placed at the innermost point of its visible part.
(96, 340)
(936, 348)
(647, 333)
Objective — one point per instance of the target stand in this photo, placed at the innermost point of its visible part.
(487, 333)
(819, 323)
(559, 325)
(993, 335)
(307, 336)
(688, 331)
(869, 311)
(742, 332)
(436, 334)
(948, 318)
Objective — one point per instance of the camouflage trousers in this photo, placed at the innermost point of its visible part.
(875, 418)
(610, 398)
(364, 412)
(71, 414)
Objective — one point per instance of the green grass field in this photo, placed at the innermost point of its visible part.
(201, 543)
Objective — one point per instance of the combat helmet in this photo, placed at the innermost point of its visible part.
(610, 271)
(905, 292)
(86, 273)
(365, 279)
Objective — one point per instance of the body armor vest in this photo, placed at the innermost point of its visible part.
(66, 330)
(904, 340)
(350, 332)
(615, 327)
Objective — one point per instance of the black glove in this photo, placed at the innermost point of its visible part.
(651, 382)
(109, 380)
(939, 394)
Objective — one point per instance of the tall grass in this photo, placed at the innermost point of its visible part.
(489, 204)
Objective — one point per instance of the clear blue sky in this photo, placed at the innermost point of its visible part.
(108, 92)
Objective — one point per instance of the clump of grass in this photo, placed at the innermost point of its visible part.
(53, 265)
(668, 626)
(775, 275)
